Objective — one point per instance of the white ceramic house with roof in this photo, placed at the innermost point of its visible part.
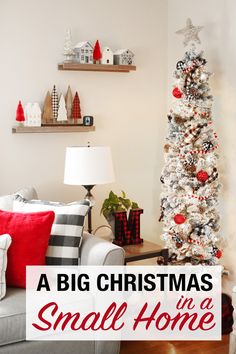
(107, 56)
(33, 115)
(123, 57)
(84, 52)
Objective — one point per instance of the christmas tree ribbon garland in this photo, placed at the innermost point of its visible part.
(193, 133)
(203, 152)
(194, 196)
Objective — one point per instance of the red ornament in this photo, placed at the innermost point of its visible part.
(179, 219)
(20, 117)
(97, 52)
(202, 176)
(219, 254)
(177, 93)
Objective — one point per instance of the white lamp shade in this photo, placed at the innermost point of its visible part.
(88, 165)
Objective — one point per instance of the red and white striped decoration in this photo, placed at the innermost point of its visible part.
(203, 115)
(189, 69)
(196, 242)
(194, 152)
(194, 196)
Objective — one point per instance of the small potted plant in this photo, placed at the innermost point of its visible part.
(113, 204)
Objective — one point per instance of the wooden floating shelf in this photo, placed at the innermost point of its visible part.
(96, 67)
(53, 129)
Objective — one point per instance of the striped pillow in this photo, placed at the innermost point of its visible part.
(5, 241)
(67, 229)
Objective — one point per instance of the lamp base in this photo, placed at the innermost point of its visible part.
(91, 199)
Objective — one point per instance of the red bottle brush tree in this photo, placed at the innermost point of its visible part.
(76, 111)
(20, 117)
(97, 54)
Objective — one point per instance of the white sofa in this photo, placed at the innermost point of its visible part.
(94, 251)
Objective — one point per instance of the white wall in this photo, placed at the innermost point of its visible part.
(218, 41)
(129, 109)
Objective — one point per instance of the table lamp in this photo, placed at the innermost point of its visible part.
(88, 166)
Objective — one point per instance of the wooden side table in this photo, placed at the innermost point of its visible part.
(145, 250)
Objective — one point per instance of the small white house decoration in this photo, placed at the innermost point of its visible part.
(84, 52)
(123, 57)
(107, 56)
(33, 115)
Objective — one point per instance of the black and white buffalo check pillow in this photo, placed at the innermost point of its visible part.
(67, 229)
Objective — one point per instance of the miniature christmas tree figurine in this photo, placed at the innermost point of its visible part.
(68, 51)
(47, 109)
(54, 98)
(76, 111)
(62, 113)
(69, 102)
(20, 117)
(97, 54)
(190, 178)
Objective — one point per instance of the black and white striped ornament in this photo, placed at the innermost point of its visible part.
(55, 102)
(200, 61)
(199, 230)
(213, 176)
(180, 65)
(207, 145)
(190, 160)
(211, 223)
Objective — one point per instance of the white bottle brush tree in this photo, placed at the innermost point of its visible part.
(68, 50)
(190, 179)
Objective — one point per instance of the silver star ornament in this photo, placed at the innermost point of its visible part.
(190, 32)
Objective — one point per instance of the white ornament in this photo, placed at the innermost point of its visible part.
(203, 76)
(62, 112)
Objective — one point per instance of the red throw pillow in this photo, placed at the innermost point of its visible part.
(30, 235)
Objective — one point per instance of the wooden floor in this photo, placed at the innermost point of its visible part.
(177, 347)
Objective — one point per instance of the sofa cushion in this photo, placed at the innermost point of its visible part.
(12, 317)
(30, 235)
(5, 241)
(67, 229)
(6, 201)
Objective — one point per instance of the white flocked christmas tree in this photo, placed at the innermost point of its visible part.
(189, 199)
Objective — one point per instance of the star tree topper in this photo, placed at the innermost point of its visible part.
(190, 32)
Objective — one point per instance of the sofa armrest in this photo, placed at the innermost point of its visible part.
(95, 251)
